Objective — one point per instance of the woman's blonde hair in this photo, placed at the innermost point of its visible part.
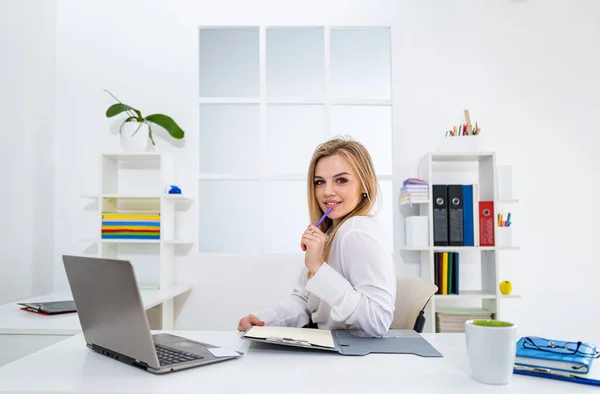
(359, 159)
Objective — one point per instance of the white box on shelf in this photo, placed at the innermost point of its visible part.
(504, 236)
(504, 174)
(463, 143)
(416, 232)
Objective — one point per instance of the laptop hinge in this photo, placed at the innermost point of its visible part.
(118, 356)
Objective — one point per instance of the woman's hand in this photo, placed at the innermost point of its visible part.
(249, 321)
(313, 243)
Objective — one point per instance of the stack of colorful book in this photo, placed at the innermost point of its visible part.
(130, 225)
(414, 190)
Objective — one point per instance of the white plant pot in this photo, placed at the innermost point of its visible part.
(135, 141)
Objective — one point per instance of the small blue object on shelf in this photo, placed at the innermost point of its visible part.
(174, 190)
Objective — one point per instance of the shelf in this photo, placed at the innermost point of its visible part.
(176, 242)
(438, 157)
(14, 321)
(466, 294)
(497, 202)
(460, 248)
(509, 296)
(511, 201)
(418, 202)
(140, 241)
(133, 183)
(140, 156)
(145, 241)
(174, 197)
(463, 168)
(474, 295)
(465, 248)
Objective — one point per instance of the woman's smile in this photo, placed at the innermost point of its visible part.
(332, 203)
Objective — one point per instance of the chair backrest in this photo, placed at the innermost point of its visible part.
(412, 295)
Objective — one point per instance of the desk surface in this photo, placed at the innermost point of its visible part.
(275, 370)
(15, 321)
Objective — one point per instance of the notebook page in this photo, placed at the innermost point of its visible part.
(313, 336)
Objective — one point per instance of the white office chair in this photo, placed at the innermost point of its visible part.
(412, 295)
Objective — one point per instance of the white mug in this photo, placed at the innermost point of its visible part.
(491, 348)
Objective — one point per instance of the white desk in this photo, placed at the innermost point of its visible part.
(22, 333)
(70, 367)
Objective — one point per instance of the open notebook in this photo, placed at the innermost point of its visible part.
(346, 342)
(292, 335)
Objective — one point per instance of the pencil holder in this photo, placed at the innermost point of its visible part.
(464, 143)
(504, 236)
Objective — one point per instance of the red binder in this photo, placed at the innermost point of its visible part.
(486, 223)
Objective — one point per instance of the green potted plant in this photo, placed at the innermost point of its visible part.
(136, 130)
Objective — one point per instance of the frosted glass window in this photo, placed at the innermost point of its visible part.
(293, 133)
(286, 215)
(384, 208)
(370, 125)
(295, 63)
(230, 214)
(360, 63)
(229, 62)
(230, 139)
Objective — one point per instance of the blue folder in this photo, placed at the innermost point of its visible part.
(548, 374)
(468, 219)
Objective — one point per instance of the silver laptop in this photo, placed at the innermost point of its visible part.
(114, 320)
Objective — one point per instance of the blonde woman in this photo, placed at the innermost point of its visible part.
(349, 281)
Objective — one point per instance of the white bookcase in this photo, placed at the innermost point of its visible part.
(134, 183)
(462, 168)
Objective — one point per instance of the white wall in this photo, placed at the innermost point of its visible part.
(27, 98)
(526, 70)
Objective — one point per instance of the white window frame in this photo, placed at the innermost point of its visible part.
(263, 101)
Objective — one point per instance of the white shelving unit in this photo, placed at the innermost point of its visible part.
(489, 295)
(136, 183)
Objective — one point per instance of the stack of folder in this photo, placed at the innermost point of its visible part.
(414, 190)
(130, 225)
(453, 319)
(556, 359)
(460, 218)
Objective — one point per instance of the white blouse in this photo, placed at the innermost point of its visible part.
(355, 289)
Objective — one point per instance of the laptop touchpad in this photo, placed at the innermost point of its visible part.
(182, 344)
(191, 347)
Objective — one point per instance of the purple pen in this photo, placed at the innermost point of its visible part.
(323, 217)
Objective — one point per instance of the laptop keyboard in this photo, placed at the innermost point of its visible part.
(169, 356)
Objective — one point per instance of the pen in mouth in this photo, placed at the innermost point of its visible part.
(323, 217)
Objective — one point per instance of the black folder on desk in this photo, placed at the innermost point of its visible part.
(49, 307)
(345, 342)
